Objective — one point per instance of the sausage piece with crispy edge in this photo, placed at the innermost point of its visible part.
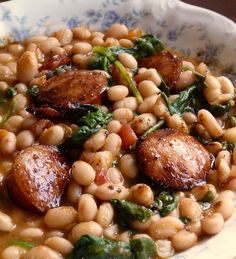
(173, 159)
(69, 95)
(54, 62)
(166, 64)
(38, 177)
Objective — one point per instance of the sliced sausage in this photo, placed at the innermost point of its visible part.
(173, 159)
(38, 177)
(70, 94)
(166, 64)
(54, 62)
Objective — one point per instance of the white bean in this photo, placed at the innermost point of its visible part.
(189, 208)
(128, 102)
(86, 228)
(81, 33)
(117, 92)
(13, 124)
(114, 126)
(225, 207)
(114, 176)
(27, 67)
(164, 248)
(48, 45)
(7, 142)
(147, 104)
(97, 140)
(185, 79)
(32, 233)
(230, 134)
(117, 30)
(64, 36)
(81, 48)
(74, 192)
(108, 191)
(128, 167)
(165, 227)
(141, 194)
(60, 217)
(184, 240)
(87, 208)
(6, 223)
(123, 115)
(59, 244)
(24, 139)
(213, 224)
(128, 60)
(147, 88)
(143, 122)
(113, 144)
(52, 136)
(210, 123)
(13, 252)
(101, 161)
(105, 214)
(41, 252)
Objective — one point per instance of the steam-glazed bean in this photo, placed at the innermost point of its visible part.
(74, 192)
(6, 74)
(108, 191)
(81, 60)
(210, 123)
(96, 141)
(13, 252)
(6, 223)
(20, 102)
(24, 139)
(41, 252)
(230, 134)
(16, 49)
(27, 67)
(117, 31)
(201, 192)
(86, 228)
(97, 41)
(114, 176)
(7, 142)
(123, 115)
(83, 173)
(143, 122)
(188, 64)
(151, 74)
(176, 122)
(126, 43)
(184, 240)
(20, 88)
(98, 34)
(101, 161)
(124, 236)
(105, 214)
(195, 227)
(81, 48)
(213, 89)
(128, 102)
(214, 147)
(225, 207)
(231, 185)
(213, 224)
(81, 33)
(128, 166)
(111, 231)
(87, 208)
(5, 58)
(223, 172)
(143, 226)
(13, 124)
(113, 144)
(52, 136)
(159, 107)
(189, 208)
(60, 217)
(147, 88)
(113, 126)
(142, 194)
(190, 118)
(90, 189)
(147, 104)
(165, 227)
(226, 195)
(59, 244)
(225, 155)
(164, 248)
(3, 86)
(32, 233)
(226, 85)
(128, 60)
(117, 92)
(48, 45)
(111, 42)
(185, 79)
(64, 36)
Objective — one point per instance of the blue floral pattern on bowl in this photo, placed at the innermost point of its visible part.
(189, 30)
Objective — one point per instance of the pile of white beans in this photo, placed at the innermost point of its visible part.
(87, 209)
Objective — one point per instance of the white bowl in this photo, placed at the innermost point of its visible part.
(190, 30)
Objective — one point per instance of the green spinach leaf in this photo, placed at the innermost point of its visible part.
(21, 243)
(143, 248)
(126, 211)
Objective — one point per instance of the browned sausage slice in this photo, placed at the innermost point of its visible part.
(166, 64)
(174, 159)
(38, 178)
(70, 94)
(54, 62)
